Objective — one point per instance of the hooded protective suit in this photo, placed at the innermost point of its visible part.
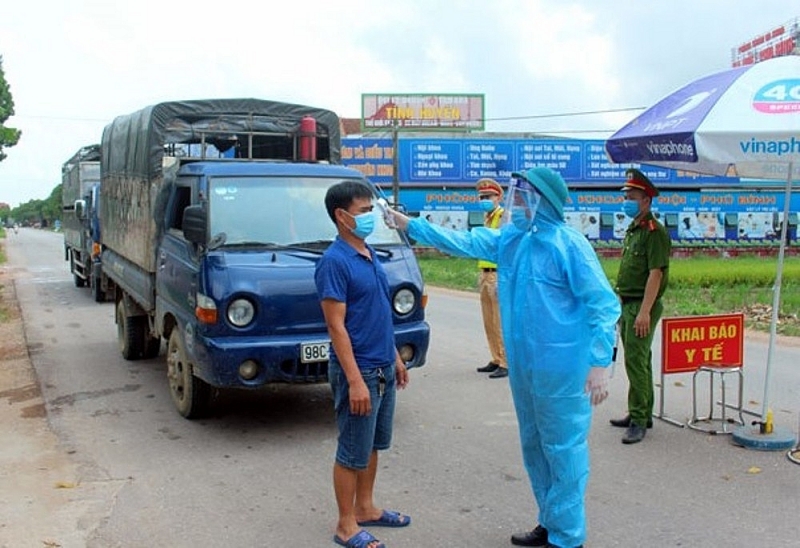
(559, 316)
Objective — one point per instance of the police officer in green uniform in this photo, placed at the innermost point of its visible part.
(642, 278)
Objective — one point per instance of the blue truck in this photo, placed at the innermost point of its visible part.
(80, 187)
(213, 219)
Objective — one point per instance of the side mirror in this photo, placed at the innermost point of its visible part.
(80, 209)
(195, 224)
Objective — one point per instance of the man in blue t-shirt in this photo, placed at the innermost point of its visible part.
(364, 367)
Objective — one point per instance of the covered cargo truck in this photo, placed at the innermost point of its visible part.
(213, 220)
(80, 184)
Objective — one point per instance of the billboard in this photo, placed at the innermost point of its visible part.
(777, 42)
(422, 111)
(690, 216)
(460, 161)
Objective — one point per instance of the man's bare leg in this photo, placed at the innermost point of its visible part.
(347, 483)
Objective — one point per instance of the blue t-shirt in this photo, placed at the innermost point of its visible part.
(346, 276)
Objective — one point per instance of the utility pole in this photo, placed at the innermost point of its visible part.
(395, 165)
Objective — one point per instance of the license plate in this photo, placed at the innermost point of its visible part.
(314, 352)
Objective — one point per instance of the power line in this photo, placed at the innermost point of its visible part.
(383, 132)
(563, 114)
(64, 118)
(562, 131)
(539, 116)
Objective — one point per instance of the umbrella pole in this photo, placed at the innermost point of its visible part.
(776, 293)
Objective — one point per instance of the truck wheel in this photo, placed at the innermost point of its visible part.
(130, 333)
(190, 394)
(152, 346)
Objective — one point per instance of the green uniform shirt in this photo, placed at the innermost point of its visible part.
(646, 246)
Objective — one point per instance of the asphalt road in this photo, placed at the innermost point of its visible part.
(125, 470)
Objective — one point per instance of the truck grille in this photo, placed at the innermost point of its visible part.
(305, 372)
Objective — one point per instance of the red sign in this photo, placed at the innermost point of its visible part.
(780, 41)
(420, 111)
(690, 342)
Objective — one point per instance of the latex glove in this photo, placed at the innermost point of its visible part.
(388, 218)
(400, 220)
(597, 385)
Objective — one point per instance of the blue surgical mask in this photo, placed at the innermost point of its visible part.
(630, 208)
(487, 205)
(365, 224)
(520, 219)
(524, 202)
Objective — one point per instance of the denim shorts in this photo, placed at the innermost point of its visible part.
(360, 435)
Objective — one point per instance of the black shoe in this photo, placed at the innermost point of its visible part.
(499, 373)
(634, 434)
(490, 367)
(625, 422)
(537, 537)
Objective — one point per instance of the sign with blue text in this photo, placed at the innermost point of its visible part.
(436, 161)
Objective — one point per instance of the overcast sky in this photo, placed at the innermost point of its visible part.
(74, 65)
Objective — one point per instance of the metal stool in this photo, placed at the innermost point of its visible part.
(710, 420)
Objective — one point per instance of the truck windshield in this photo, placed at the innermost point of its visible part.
(278, 211)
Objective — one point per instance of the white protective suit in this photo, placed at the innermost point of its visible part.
(559, 314)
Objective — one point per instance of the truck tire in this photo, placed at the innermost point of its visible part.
(191, 395)
(130, 333)
(152, 346)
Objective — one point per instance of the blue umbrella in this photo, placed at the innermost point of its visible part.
(742, 122)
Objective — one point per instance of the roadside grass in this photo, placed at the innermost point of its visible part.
(3, 311)
(698, 285)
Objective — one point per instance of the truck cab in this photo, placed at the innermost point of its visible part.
(236, 276)
(80, 180)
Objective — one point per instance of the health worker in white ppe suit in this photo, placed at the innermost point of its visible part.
(559, 317)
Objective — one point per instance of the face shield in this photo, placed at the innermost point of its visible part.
(521, 204)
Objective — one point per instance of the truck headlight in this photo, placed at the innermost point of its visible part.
(404, 301)
(241, 312)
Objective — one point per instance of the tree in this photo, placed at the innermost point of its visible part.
(51, 209)
(41, 212)
(8, 135)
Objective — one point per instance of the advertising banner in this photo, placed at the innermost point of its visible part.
(422, 111)
(426, 162)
